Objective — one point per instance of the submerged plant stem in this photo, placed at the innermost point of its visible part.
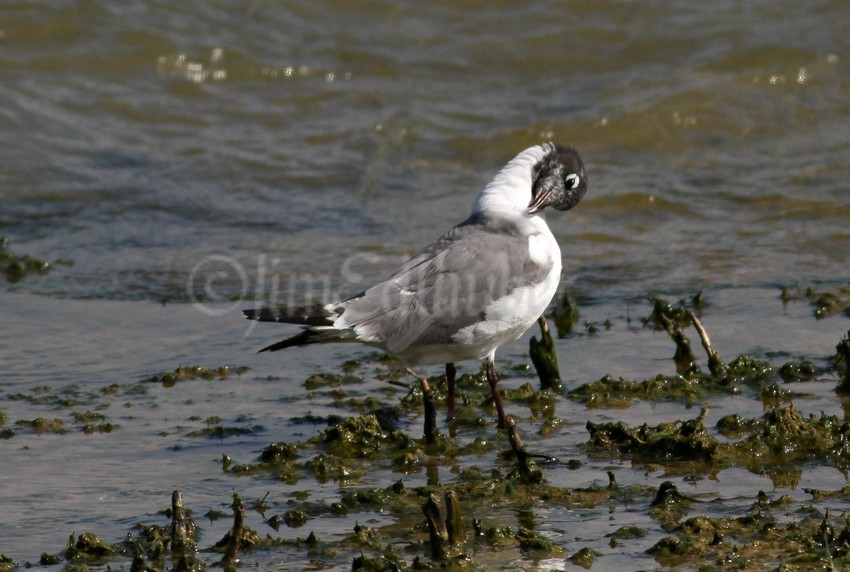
(716, 365)
(544, 357)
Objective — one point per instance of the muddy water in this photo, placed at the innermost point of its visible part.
(177, 157)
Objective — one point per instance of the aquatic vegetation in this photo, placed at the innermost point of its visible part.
(753, 540)
(779, 438)
(186, 373)
(842, 363)
(452, 527)
(692, 384)
(91, 422)
(803, 370)
(462, 495)
(544, 357)
(565, 315)
(618, 393)
(584, 557)
(41, 425)
(16, 267)
(87, 548)
(214, 430)
(5, 432)
(826, 302)
(680, 441)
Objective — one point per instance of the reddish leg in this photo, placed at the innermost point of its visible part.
(451, 373)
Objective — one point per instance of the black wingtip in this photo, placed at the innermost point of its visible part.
(315, 315)
(261, 314)
(301, 339)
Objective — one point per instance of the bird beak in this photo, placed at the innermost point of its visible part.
(539, 202)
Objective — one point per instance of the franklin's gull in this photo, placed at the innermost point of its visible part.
(480, 285)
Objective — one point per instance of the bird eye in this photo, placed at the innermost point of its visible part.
(572, 181)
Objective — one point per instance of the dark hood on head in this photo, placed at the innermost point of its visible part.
(558, 180)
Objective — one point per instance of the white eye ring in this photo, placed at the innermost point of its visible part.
(572, 181)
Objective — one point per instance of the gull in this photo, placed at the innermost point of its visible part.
(480, 285)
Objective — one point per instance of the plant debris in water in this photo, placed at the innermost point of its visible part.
(16, 267)
(184, 373)
(825, 302)
(481, 515)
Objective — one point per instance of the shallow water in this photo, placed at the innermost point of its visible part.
(179, 156)
(57, 484)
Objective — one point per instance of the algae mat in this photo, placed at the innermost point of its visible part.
(317, 459)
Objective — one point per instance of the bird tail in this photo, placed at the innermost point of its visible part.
(318, 319)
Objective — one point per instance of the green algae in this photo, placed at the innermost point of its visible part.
(757, 539)
(84, 410)
(665, 315)
(87, 548)
(322, 380)
(41, 425)
(352, 448)
(691, 384)
(16, 267)
(65, 397)
(683, 440)
(842, 363)
(584, 557)
(781, 437)
(186, 373)
(295, 518)
(796, 371)
(698, 538)
(565, 315)
(694, 385)
(278, 453)
(91, 422)
(674, 320)
(215, 430)
(361, 437)
(610, 392)
(825, 302)
(628, 532)
(222, 432)
(5, 432)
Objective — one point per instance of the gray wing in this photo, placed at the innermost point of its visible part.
(444, 288)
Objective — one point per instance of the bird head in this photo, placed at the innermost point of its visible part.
(547, 175)
(558, 180)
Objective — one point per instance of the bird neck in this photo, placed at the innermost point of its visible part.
(510, 190)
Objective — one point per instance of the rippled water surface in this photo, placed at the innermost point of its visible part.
(176, 156)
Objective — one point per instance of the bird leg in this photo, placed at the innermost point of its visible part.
(492, 379)
(451, 373)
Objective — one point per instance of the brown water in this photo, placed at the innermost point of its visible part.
(194, 152)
